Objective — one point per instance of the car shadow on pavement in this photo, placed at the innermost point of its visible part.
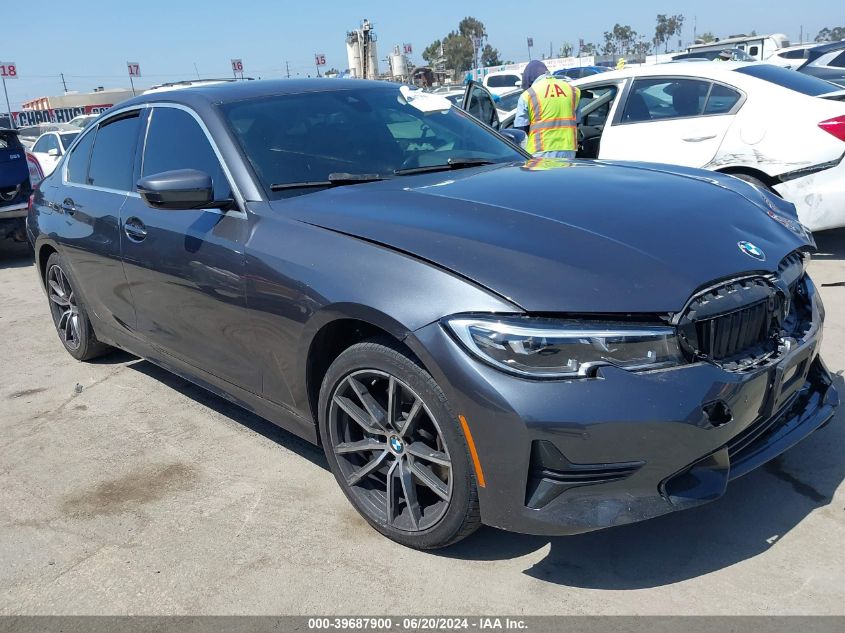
(255, 423)
(753, 516)
(14, 254)
(830, 244)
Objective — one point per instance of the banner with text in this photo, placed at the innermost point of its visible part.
(25, 118)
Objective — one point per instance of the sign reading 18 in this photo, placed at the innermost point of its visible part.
(9, 70)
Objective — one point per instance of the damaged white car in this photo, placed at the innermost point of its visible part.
(776, 128)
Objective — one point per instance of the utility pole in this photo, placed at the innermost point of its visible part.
(63, 81)
(801, 36)
(196, 70)
(8, 105)
(550, 50)
(287, 69)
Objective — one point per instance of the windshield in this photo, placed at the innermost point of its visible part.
(791, 79)
(308, 137)
(502, 81)
(67, 139)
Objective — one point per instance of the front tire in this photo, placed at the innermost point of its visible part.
(69, 314)
(395, 447)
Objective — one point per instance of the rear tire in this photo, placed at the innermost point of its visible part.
(417, 487)
(69, 313)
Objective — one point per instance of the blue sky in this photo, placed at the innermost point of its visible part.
(91, 40)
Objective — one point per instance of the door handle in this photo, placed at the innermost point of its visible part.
(135, 229)
(68, 207)
(698, 139)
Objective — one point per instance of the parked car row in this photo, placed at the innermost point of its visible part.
(825, 61)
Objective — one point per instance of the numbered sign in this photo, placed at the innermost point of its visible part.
(407, 49)
(8, 70)
(237, 66)
(320, 59)
(134, 69)
(530, 42)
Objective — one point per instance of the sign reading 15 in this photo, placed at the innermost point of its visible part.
(320, 59)
(8, 70)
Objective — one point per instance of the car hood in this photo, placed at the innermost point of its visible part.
(555, 236)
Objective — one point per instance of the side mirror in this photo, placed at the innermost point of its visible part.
(52, 152)
(518, 83)
(178, 190)
(517, 136)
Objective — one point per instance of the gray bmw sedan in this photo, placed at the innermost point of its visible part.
(472, 335)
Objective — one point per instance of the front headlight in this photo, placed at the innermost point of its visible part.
(551, 348)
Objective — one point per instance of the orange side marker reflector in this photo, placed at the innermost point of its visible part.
(473, 453)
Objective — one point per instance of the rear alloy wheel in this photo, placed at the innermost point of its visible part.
(69, 316)
(395, 449)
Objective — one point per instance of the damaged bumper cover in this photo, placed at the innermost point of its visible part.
(818, 194)
(570, 456)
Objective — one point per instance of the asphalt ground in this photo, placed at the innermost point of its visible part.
(126, 490)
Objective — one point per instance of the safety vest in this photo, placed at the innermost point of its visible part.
(552, 107)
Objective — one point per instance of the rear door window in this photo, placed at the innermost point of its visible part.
(176, 141)
(77, 162)
(721, 100)
(113, 156)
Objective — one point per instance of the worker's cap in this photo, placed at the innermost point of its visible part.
(726, 55)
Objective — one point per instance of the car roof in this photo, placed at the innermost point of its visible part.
(711, 70)
(795, 47)
(829, 46)
(241, 90)
(6, 130)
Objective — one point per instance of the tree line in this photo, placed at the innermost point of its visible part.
(467, 46)
(463, 48)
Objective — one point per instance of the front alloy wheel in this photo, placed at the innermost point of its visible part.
(395, 448)
(390, 450)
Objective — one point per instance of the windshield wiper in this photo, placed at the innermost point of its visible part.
(452, 163)
(334, 180)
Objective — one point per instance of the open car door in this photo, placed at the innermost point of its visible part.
(481, 104)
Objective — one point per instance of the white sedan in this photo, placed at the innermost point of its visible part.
(50, 147)
(779, 129)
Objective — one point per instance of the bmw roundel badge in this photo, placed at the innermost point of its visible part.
(752, 251)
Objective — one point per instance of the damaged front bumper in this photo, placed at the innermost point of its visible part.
(570, 456)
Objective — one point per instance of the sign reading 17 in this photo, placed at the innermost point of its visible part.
(8, 70)
(134, 69)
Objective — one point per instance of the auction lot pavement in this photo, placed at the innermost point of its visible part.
(126, 490)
